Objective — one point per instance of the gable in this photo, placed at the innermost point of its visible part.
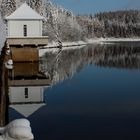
(24, 12)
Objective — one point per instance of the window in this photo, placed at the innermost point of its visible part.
(25, 30)
(26, 92)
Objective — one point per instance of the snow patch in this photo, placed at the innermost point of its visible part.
(52, 47)
(120, 39)
(2, 33)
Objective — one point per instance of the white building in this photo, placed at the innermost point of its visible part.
(25, 31)
(24, 22)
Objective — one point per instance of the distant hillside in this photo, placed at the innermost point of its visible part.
(112, 24)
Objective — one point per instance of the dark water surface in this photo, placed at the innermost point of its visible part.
(95, 95)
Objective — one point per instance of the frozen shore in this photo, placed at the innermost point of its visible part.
(120, 39)
(53, 47)
(112, 40)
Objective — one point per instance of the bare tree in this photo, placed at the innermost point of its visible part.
(7, 7)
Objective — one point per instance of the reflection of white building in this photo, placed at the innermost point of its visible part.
(26, 94)
(26, 100)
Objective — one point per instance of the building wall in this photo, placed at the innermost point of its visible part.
(15, 28)
(17, 94)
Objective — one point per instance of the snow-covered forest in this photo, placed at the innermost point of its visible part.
(62, 24)
(112, 24)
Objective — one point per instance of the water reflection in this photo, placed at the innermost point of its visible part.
(97, 103)
(26, 88)
(26, 70)
(26, 100)
(122, 56)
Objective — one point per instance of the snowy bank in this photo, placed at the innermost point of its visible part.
(112, 40)
(64, 44)
(120, 39)
(2, 33)
(53, 47)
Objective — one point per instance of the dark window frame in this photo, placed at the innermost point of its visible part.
(25, 30)
(26, 93)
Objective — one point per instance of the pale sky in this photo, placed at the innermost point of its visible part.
(94, 6)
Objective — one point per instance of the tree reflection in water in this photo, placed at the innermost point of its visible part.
(69, 62)
(94, 104)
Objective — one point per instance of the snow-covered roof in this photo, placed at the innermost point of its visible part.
(24, 12)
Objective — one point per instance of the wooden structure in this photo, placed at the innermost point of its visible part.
(25, 70)
(41, 82)
(27, 41)
(27, 74)
(24, 54)
(3, 91)
(24, 49)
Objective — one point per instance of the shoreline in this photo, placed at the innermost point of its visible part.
(54, 47)
(111, 40)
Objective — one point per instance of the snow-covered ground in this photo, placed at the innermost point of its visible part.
(66, 46)
(107, 40)
(52, 47)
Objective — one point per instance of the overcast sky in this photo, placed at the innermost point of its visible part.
(94, 6)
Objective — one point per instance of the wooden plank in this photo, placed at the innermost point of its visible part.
(25, 54)
(37, 41)
(36, 82)
(25, 69)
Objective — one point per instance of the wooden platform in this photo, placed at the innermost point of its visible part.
(25, 69)
(3, 91)
(24, 49)
(23, 41)
(24, 54)
(36, 82)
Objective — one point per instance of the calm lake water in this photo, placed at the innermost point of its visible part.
(95, 95)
